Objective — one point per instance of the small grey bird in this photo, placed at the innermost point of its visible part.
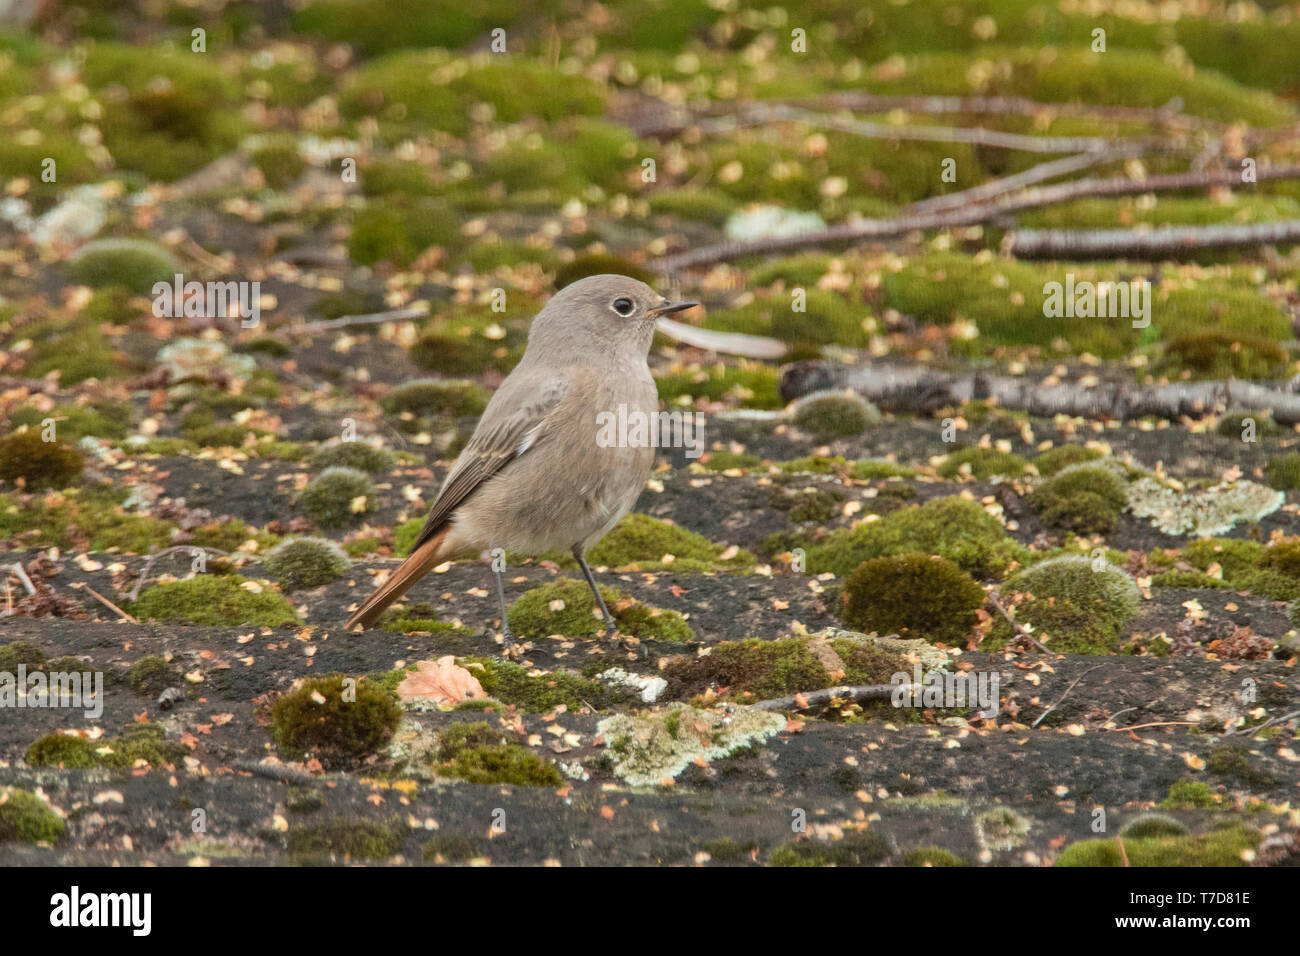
(534, 476)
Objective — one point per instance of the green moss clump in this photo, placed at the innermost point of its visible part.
(863, 848)
(303, 799)
(272, 348)
(1152, 825)
(699, 205)
(398, 231)
(473, 340)
(451, 848)
(353, 454)
(745, 384)
(306, 563)
(478, 754)
(1272, 572)
(1074, 607)
(932, 856)
(727, 460)
(596, 265)
(134, 263)
(75, 348)
(336, 722)
(27, 818)
(338, 496)
(1086, 498)
(536, 693)
(349, 839)
(151, 675)
(1283, 471)
(1234, 761)
(405, 535)
(952, 528)
(279, 161)
(231, 535)
(532, 617)
(1220, 355)
(644, 541)
(67, 517)
(758, 669)
(166, 447)
(819, 505)
(214, 600)
(1063, 456)
(1233, 555)
(1233, 423)
(1191, 795)
(434, 397)
(727, 850)
(40, 464)
(983, 464)
(106, 419)
(914, 595)
(220, 435)
(829, 415)
(147, 742)
(1220, 847)
(20, 652)
(406, 618)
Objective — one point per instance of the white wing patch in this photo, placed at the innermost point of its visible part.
(527, 441)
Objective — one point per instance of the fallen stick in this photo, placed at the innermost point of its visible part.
(1268, 723)
(148, 564)
(17, 568)
(345, 321)
(107, 603)
(1019, 628)
(1063, 696)
(815, 697)
(924, 390)
(864, 230)
(764, 113)
(1162, 243)
(672, 121)
(1035, 174)
(1157, 723)
(279, 774)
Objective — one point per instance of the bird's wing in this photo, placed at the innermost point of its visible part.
(498, 440)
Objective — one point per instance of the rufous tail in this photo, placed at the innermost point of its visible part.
(416, 566)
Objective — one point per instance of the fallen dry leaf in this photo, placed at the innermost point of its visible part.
(442, 681)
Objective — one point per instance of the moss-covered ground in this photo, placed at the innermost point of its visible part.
(1135, 586)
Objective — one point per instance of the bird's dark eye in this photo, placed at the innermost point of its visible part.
(623, 306)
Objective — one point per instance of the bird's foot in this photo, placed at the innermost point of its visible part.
(510, 647)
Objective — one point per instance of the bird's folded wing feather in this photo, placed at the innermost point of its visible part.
(497, 441)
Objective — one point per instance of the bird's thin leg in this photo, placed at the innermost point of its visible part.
(499, 570)
(610, 626)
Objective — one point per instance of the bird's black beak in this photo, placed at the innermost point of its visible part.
(671, 307)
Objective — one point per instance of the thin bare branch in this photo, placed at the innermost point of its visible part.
(1063, 696)
(923, 390)
(346, 321)
(863, 230)
(1162, 243)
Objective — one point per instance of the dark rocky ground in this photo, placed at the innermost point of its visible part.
(925, 781)
(485, 177)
